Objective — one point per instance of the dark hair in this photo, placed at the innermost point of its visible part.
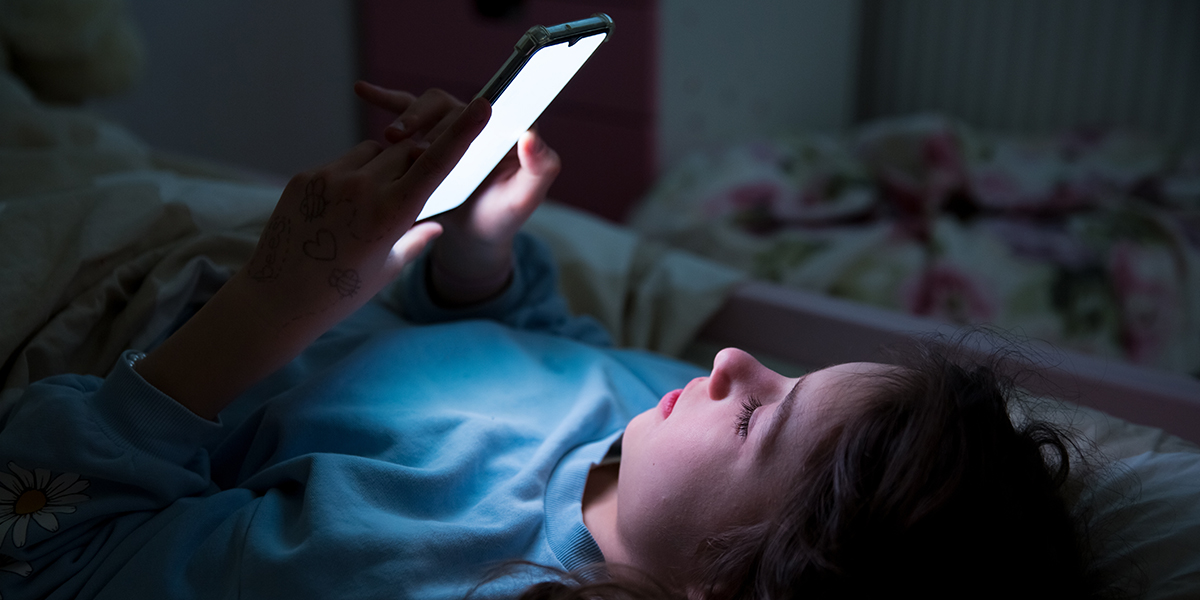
(923, 485)
(926, 486)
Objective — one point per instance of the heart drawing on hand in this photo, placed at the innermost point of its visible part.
(324, 247)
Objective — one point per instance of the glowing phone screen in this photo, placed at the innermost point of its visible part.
(530, 92)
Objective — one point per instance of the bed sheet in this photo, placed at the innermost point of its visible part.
(1089, 240)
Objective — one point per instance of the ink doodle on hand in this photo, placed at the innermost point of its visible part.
(323, 247)
(345, 281)
(272, 250)
(313, 204)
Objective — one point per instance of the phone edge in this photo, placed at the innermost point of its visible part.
(538, 37)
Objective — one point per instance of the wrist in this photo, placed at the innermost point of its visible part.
(220, 352)
(464, 280)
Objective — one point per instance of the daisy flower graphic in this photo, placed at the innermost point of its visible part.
(33, 496)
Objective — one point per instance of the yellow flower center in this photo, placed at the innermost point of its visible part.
(30, 502)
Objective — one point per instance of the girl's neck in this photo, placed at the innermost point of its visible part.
(600, 510)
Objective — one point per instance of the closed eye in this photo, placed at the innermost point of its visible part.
(749, 405)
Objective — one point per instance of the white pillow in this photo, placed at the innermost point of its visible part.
(1148, 510)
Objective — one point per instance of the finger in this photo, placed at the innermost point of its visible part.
(356, 157)
(418, 183)
(507, 165)
(536, 157)
(410, 245)
(390, 100)
(394, 161)
(444, 124)
(539, 167)
(424, 114)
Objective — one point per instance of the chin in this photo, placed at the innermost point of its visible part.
(633, 429)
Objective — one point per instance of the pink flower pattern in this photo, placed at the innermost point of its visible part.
(1063, 218)
(1149, 305)
(951, 294)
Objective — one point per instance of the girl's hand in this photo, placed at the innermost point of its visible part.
(472, 260)
(337, 236)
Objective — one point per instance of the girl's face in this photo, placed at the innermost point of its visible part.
(716, 454)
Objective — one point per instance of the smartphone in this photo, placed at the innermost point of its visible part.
(543, 62)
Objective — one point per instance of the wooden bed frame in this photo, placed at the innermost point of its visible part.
(810, 329)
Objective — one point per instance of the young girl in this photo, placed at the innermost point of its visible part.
(298, 437)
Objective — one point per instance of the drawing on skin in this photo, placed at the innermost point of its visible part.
(314, 203)
(345, 281)
(322, 247)
(273, 249)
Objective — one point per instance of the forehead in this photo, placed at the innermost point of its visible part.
(843, 382)
(819, 399)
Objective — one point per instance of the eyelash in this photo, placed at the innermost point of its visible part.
(749, 405)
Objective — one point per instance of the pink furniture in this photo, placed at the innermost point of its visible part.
(603, 123)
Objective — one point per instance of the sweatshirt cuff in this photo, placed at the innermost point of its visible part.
(416, 299)
(142, 417)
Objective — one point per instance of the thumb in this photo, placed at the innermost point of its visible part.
(410, 245)
(536, 157)
(539, 166)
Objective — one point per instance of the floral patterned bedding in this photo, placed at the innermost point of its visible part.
(1089, 240)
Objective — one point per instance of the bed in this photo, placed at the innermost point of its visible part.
(1084, 243)
(107, 241)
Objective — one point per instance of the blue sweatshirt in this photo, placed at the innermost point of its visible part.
(386, 461)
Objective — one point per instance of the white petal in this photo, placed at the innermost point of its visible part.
(11, 483)
(19, 530)
(7, 496)
(58, 509)
(5, 524)
(26, 476)
(48, 521)
(61, 482)
(19, 567)
(79, 486)
(42, 478)
(72, 499)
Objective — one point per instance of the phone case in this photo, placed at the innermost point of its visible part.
(538, 37)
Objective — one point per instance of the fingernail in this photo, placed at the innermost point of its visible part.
(395, 132)
(478, 111)
(417, 150)
(539, 146)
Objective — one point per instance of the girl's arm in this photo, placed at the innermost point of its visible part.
(472, 260)
(337, 235)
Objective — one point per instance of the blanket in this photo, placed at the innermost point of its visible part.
(1089, 240)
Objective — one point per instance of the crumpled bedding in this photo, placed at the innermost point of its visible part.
(1088, 240)
(106, 243)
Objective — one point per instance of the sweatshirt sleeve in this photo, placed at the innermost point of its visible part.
(530, 302)
(83, 462)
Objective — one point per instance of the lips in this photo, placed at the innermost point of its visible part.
(667, 404)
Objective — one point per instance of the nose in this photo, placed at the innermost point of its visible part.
(733, 368)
